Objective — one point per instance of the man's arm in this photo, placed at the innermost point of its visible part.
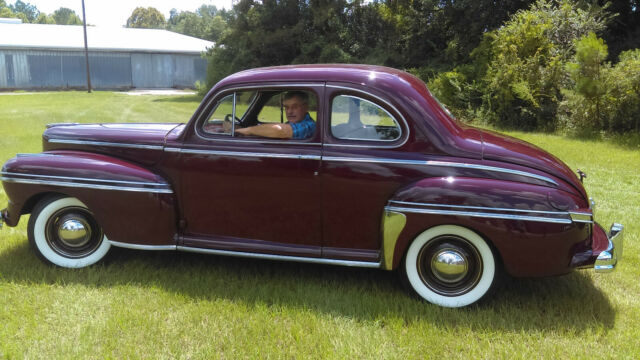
(280, 131)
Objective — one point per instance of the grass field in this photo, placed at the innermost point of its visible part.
(179, 305)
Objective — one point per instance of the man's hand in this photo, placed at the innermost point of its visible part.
(278, 131)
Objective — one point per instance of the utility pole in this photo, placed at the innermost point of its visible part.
(86, 48)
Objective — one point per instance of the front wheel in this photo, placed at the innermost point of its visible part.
(450, 266)
(64, 232)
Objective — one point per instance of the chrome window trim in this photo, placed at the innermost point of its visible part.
(73, 178)
(104, 143)
(86, 186)
(376, 146)
(364, 264)
(245, 154)
(258, 140)
(478, 208)
(372, 103)
(440, 163)
(142, 247)
(478, 214)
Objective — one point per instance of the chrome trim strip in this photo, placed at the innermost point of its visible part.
(364, 264)
(86, 186)
(478, 208)
(104, 143)
(441, 163)
(71, 178)
(142, 247)
(581, 217)
(245, 154)
(479, 214)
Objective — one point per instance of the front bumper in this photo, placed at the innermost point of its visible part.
(608, 259)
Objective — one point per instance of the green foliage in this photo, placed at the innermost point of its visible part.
(205, 23)
(66, 16)
(148, 18)
(30, 12)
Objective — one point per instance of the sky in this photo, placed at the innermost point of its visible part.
(116, 12)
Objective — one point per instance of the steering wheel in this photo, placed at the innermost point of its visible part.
(229, 116)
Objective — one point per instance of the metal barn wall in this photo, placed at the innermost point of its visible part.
(33, 69)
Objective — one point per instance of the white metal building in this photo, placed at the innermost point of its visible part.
(35, 56)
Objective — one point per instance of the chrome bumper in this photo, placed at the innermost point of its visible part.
(607, 260)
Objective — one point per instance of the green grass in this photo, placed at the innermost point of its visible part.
(180, 305)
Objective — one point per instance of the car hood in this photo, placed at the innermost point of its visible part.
(134, 134)
(508, 149)
(142, 143)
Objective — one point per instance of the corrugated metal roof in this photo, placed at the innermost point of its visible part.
(70, 37)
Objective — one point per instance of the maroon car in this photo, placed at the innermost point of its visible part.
(387, 179)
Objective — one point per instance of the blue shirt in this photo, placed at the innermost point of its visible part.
(303, 129)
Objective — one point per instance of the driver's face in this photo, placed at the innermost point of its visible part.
(295, 109)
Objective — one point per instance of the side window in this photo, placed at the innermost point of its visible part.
(274, 112)
(223, 112)
(354, 118)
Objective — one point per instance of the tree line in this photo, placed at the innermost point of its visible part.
(30, 14)
(530, 64)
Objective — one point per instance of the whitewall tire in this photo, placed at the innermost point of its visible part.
(450, 266)
(64, 232)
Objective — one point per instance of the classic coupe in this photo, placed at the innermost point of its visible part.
(386, 178)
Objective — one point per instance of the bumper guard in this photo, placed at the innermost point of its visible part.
(608, 259)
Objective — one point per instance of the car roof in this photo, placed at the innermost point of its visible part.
(368, 75)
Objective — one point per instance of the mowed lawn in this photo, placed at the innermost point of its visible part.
(180, 305)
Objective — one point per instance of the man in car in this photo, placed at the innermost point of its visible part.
(299, 123)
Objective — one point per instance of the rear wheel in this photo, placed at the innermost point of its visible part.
(450, 266)
(64, 232)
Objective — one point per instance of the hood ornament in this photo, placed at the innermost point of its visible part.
(581, 174)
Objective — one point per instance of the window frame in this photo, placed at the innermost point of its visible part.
(316, 89)
(336, 89)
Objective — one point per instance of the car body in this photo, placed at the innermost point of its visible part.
(388, 180)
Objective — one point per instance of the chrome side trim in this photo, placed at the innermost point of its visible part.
(85, 186)
(245, 154)
(477, 208)
(104, 143)
(580, 217)
(72, 178)
(364, 264)
(441, 163)
(479, 214)
(142, 247)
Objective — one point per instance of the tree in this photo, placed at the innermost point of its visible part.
(66, 16)
(149, 18)
(29, 11)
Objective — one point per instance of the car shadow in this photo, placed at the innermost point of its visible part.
(566, 303)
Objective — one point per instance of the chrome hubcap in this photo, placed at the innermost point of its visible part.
(74, 231)
(449, 266)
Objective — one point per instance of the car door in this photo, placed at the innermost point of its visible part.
(362, 133)
(250, 194)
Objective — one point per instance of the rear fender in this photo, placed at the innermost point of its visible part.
(132, 204)
(527, 225)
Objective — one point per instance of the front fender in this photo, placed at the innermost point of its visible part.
(132, 204)
(531, 227)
